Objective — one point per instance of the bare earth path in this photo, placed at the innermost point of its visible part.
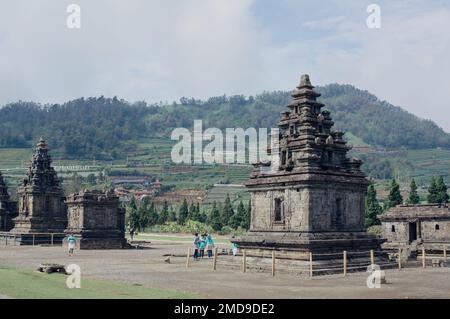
(147, 267)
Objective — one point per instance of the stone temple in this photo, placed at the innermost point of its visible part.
(97, 219)
(45, 216)
(312, 200)
(7, 207)
(412, 227)
(41, 198)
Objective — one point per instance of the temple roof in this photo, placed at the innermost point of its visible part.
(40, 171)
(408, 212)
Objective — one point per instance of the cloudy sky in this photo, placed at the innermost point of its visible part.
(164, 49)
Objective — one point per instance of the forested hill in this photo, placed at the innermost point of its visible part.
(102, 127)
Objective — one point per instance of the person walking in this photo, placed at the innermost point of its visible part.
(209, 245)
(202, 246)
(234, 249)
(71, 244)
(196, 246)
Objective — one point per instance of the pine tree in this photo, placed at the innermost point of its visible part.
(132, 213)
(372, 207)
(172, 215)
(247, 216)
(433, 192)
(153, 216)
(214, 218)
(164, 215)
(191, 214)
(183, 213)
(395, 197)
(413, 195)
(442, 191)
(227, 211)
(238, 216)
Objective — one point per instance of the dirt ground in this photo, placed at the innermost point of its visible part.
(147, 267)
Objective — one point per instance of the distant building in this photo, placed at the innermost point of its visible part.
(412, 225)
(97, 219)
(131, 180)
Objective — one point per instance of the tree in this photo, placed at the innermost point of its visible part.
(164, 215)
(214, 218)
(433, 192)
(183, 213)
(91, 179)
(413, 195)
(245, 223)
(372, 207)
(132, 214)
(238, 217)
(172, 215)
(191, 214)
(395, 197)
(227, 211)
(153, 216)
(442, 191)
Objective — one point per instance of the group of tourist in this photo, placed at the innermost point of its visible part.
(201, 243)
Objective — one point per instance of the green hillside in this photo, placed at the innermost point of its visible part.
(111, 129)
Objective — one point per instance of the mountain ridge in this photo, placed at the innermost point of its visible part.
(99, 126)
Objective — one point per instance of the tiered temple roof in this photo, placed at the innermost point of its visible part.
(41, 175)
(307, 141)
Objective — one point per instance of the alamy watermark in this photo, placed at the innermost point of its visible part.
(374, 19)
(74, 279)
(376, 277)
(73, 20)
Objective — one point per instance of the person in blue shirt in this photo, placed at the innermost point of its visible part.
(209, 245)
(71, 244)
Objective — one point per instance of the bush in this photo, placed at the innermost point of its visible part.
(226, 230)
(190, 227)
(376, 230)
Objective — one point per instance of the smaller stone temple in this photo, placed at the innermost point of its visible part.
(7, 207)
(409, 226)
(96, 219)
(41, 198)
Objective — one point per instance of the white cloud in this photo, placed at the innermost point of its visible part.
(162, 50)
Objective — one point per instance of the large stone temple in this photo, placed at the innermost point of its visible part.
(313, 200)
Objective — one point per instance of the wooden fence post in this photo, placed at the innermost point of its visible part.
(345, 262)
(399, 258)
(188, 257)
(244, 260)
(310, 265)
(215, 259)
(423, 257)
(372, 260)
(445, 253)
(273, 263)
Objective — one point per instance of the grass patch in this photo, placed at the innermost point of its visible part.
(28, 284)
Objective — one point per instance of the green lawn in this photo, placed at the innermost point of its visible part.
(28, 284)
